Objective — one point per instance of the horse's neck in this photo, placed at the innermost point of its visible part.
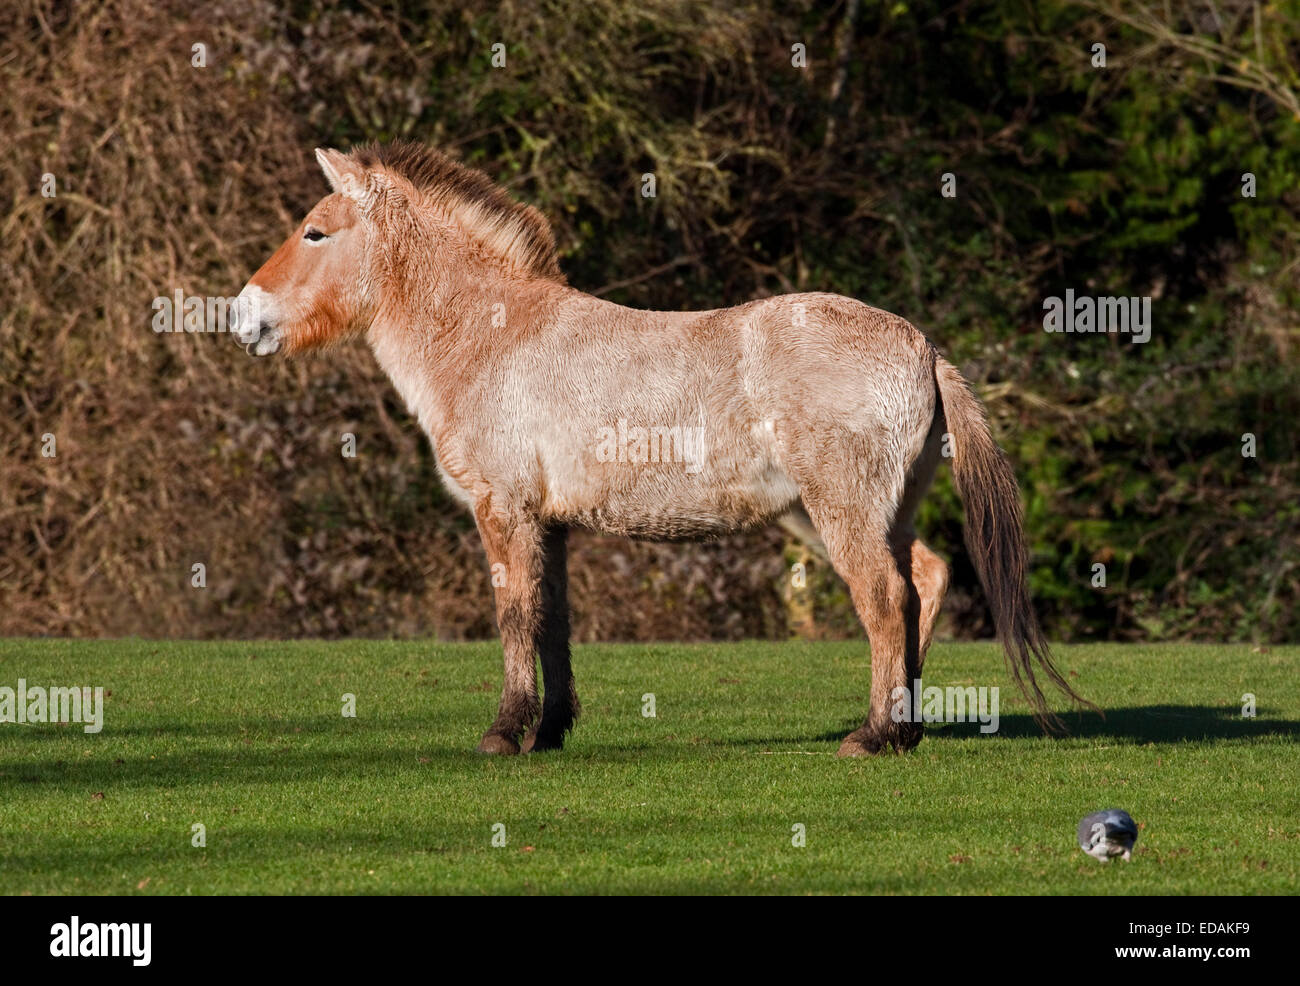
(437, 333)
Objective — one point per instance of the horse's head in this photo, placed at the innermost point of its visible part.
(314, 289)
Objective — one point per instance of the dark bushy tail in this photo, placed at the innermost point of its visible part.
(995, 538)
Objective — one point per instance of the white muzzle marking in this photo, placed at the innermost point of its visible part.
(254, 321)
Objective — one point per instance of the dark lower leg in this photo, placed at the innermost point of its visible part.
(560, 700)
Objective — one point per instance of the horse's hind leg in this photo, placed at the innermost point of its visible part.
(926, 572)
(560, 701)
(864, 513)
(885, 601)
(859, 539)
(928, 577)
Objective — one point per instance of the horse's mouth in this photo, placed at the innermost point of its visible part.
(266, 344)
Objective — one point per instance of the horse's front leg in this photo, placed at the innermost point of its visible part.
(560, 704)
(513, 542)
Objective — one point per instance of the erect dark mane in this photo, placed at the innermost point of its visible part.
(517, 232)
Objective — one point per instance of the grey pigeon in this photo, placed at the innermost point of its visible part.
(1108, 833)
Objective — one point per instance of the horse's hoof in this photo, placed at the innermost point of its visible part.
(856, 746)
(900, 737)
(535, 744)
(905, 736)
(496, 743)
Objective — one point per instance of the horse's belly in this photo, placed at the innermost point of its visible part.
(662, 505)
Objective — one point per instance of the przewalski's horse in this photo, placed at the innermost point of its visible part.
(549, 408)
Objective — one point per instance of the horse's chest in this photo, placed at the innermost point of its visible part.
(414, 385)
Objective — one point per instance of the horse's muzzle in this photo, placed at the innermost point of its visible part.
(249, 321)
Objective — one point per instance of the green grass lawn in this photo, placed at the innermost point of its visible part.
(248, 739)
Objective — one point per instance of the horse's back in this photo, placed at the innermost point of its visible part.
(762, 393)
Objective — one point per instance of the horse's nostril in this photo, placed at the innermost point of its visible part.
(264, 328)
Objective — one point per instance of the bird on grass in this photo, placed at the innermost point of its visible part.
(1108, 833)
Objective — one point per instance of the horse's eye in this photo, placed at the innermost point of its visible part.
(314, 235)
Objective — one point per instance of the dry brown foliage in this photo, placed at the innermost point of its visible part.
(174, 449)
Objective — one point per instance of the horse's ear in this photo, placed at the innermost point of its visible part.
(345, 175)
(350, 178)
(336, 164)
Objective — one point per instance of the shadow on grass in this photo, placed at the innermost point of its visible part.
(258, 755)
(251, 726)
(1138, 724)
